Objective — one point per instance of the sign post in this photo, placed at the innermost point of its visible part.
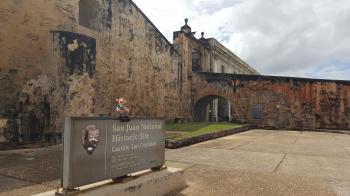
(101, 148)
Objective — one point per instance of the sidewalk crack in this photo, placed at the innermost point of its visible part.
(284, 156)
(347, 152)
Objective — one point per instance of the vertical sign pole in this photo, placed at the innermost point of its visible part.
(106, 149)
(66, 154)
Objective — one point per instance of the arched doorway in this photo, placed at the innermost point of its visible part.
(212, 108)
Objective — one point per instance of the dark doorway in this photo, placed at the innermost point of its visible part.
(212, 108)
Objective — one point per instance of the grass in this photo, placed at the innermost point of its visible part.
(193, 129)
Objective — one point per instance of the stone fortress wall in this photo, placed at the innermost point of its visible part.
(209, 55)
(279, 102)
(74, 57)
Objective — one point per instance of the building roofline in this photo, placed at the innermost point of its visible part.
(225, 76)
(233, 54)
(154, 26)
(199, 42)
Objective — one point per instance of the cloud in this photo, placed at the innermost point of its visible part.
(291, 37)
(331, 70)
(209, 7)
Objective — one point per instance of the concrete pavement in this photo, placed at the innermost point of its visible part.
(258, 162)
(267, 162)
(27, 172)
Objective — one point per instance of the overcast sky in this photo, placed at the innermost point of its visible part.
(303, 38)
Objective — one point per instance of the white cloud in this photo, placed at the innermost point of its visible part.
(290, 37)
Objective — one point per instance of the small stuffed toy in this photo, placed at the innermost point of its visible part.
(122, 110)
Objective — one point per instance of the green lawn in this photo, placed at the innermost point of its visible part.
(192, 129)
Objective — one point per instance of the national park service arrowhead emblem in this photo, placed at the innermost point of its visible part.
(90, 138)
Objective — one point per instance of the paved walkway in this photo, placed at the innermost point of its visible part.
(258, 162)
(267, 162)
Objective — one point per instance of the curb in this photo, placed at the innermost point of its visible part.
(206, 137)
(344, 132)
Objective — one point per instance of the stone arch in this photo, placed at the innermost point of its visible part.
(90, 14)
(205, 109)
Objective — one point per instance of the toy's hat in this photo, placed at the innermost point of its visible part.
(120, 99)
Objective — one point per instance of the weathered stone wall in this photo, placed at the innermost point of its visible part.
(224, 61)
(73, 58)
(280, 102)
(209, 55)
(3, 123)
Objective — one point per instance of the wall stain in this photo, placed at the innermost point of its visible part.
(79, 51)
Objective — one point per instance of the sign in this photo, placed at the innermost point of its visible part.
(102, 148)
